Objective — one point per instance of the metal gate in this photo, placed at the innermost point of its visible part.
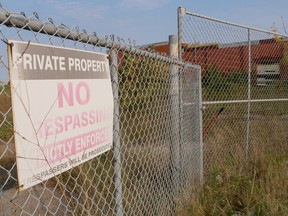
(244, 111)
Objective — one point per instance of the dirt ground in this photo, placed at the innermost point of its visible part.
(40, 200)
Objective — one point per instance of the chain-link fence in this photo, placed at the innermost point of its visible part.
(156, 158)
(244, 88)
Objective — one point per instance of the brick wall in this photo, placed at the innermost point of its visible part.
(234, 58)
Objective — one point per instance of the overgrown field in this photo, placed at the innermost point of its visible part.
(239, 184)
(259, 188)
(242, 177)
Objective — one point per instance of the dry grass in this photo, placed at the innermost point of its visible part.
(236, 186)
(233, 185)
(260, 189)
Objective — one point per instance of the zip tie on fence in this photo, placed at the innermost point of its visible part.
(23, 14)
(36, 15)
(63, 25)
(51, 20)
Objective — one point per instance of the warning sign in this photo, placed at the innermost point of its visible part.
(62, 106)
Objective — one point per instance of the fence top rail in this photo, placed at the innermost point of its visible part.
(234, 24)
(19, 20)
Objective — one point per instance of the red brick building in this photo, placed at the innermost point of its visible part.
(266, 57)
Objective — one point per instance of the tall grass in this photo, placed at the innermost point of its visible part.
(259, 189)
(238, 186)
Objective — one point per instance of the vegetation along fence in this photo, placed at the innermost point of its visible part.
(244, 88)
(156, 158)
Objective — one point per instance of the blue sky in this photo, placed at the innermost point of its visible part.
(148, 21)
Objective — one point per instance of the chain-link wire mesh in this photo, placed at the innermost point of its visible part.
(156, 158)
(244, 87)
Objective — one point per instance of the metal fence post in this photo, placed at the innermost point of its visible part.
(199, 125)
(249, 95)
(174, 112)
(116, 135)
(181, 11)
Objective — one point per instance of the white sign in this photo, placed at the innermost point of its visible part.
(62, 106)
